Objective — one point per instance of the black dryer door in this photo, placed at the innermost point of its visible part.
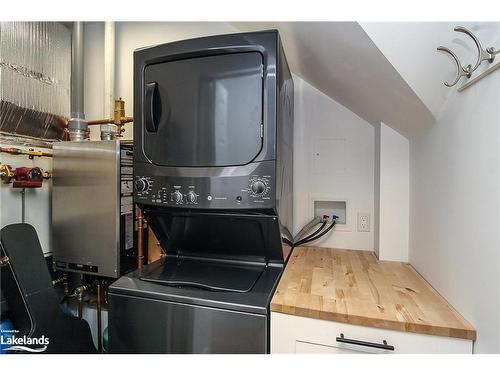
(204, 111)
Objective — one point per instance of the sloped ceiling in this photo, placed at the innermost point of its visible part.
(342, 61)
(411, 49)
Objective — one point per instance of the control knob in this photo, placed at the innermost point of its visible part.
(258, 187)
(141, 184)
(192, 197)
(177, 196)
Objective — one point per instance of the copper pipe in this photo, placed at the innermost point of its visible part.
(123, 120)
(80, 305)
(65, 283)
(30, 152)
(99, 323)
(140, 237)
(79, 294)
(66, 134)
(100, 122)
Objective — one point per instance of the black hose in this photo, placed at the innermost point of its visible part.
(287, 241)
(315, 237)
(314, 233)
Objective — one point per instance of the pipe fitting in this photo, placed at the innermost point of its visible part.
(79, 294)
(64, 281)
(58, 281)
(108, 132)
(4, 261)
(78, 129)
(81, 289)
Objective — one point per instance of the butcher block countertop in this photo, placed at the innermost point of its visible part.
(352, 286)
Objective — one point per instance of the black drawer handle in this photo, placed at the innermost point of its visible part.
(365, 343)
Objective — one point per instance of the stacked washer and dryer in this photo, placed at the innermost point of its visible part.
(213, 135)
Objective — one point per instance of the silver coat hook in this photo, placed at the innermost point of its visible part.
(461, 71)
(482, 55)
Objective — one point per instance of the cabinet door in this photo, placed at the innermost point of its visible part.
(302, 347)
(295, 334)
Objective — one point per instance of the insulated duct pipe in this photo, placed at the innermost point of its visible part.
(78, 127)
(108, 130)
(109, 69)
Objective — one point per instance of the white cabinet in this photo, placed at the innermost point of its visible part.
(295, 334)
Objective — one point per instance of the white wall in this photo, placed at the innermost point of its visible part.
(392, 194)
(130, 36)
(454, 215)
(38, 200)
(343, 171)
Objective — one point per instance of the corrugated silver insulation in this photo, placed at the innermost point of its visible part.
(35, 75)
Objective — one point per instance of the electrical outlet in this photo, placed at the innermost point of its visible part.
(363, 222)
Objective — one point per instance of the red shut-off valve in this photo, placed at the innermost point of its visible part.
(23, 177)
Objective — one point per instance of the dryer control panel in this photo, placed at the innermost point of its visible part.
(253, 190)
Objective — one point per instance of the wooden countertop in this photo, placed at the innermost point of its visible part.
(352, 286)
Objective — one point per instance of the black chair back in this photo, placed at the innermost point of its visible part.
(33, 303)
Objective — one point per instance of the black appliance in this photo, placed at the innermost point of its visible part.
(213, 136)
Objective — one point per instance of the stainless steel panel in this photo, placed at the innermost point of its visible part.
(141, 325)
(86, 204)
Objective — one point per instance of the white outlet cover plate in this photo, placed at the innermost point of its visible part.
(363, 222)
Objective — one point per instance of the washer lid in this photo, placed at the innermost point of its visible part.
(206, 274)
(256, 300)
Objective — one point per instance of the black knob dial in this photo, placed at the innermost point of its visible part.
(191, 197)
(141, 184)
(178, 197)
(258, 187)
